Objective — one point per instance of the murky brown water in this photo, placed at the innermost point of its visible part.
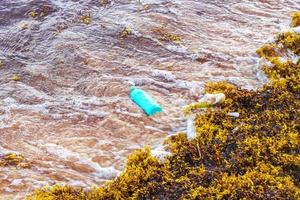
(70, 113)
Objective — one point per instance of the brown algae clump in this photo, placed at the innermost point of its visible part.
(254, 156)
(41, 11)
(104, 2)
(296, 19)
(86, 19)
(146, 6)
(267, 50)
(13, 160)
(16, 77)
(59, 193)
(290, 40)
(125, 33)
(167, 36)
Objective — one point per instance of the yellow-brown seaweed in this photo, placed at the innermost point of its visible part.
(164, 35)
(295, 19)
(13, 160)
(254, 156)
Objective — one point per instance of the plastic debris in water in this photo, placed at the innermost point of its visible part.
(24, 25)
(190, 129)
(213, 99)
(234, 114)
(145, 101)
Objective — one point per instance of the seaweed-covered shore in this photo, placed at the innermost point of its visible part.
(253, 156)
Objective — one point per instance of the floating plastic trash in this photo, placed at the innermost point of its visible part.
(190, 129)
(234, 114)
(213, 99)
(145, 101)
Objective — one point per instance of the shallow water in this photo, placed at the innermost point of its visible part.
(70, 113)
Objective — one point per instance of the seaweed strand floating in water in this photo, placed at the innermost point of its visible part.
(255, 156)
(14, 160)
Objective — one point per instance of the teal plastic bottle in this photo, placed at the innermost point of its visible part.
(145, 101)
